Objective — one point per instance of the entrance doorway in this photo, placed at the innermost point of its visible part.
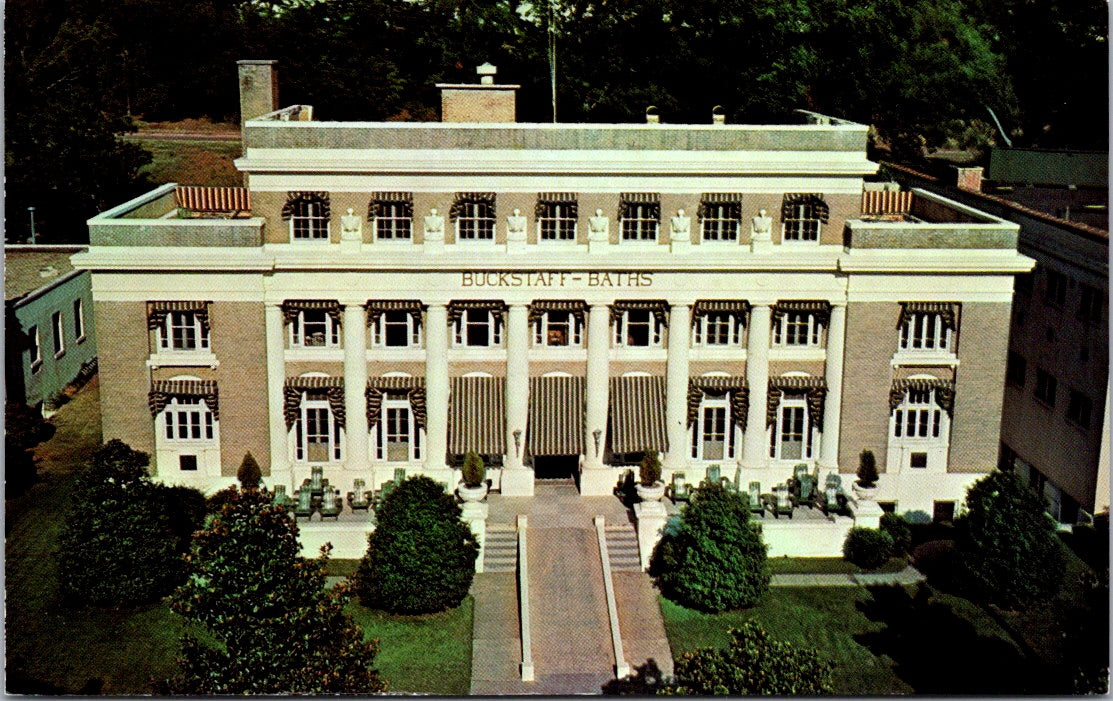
(555, 467)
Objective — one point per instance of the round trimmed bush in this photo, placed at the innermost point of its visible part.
(868, 548)
(899, 530)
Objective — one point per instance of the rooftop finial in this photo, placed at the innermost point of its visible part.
(486, 73)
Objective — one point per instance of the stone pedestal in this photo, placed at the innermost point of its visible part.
(868, 514)
(517, 482)
(598, 481)
(351, 232)
(475, 515)
(651, 517)
(434, 232)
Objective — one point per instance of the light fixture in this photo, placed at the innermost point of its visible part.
(518, 442)
(597, 433)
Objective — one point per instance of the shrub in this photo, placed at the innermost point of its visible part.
(216, 501)
(249, 475)
(421, 556)
(1009, 554)
(714, 559)
(867, 469)
(649, 472)
(899, 530)
(474, 471)
(118, 546)
(24, 428)
(752, 663)
(270, 625)
(868, 548)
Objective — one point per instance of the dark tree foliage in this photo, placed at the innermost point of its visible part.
(24, 428)
(1009, 554)
(753, 663)
(714, 559)
(119, 545)
(271, 626)
(421, 557)
(868, 548)
(899, 530)
(249, 475)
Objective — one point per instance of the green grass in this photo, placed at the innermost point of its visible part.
(828, 565)
(428, 654)
(192, 162)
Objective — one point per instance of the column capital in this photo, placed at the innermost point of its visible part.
(436, 302)
(685, 302)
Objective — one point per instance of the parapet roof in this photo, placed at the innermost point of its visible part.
(29, 268)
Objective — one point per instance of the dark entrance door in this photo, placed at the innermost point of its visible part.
(555, 467)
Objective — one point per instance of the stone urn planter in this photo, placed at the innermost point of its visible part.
(651, 492)
(864, 493)
(469, 493)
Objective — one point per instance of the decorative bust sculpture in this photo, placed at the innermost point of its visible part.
(598, 227)
(516, 226)
(350, 226)
(434, 226)
(681, 227)
(762, 226)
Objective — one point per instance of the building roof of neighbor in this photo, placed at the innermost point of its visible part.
(29, 268)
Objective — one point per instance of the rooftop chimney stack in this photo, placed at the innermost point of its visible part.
(258, 88)
(482, 102)
(969, 179)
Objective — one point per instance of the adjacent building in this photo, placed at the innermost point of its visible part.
(559, 298)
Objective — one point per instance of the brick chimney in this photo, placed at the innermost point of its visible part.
(482, 102)
(258, 88)
(969, 179)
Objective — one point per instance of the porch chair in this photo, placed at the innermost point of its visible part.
(782, 501)
(835, 496)
(280, 497)
(330, 504)
(304, 507)
(734, 486)
(713, 475)
(359, 498)
(757, 506)
(315, 483)
(679, 490)
(806, 486)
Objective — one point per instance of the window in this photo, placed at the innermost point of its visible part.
(925, 332)
(79, 320)
(556, 221)
(1045, 387)
(1079, 408)
(802, 223)
(638, 328)
(475, 219)
(1055, 293)
(308, 214)
(478, 328)
(791, 437)
(640, 221)
(712, 432)
(36, 349)
(318, 436)
(396, 330)
(797, 329)
(720, 221)
(718, 329)
(314, 328)
(918, 416)
(943, 512)
(187, 419)
(919, 431)
(58, 334)
(183, 331)
(392, 221)
(399, 437)
(918, 460)
(1092, 304)
(187, 463)
(1016, 369)
(558, 329)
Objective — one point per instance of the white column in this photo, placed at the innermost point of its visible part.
(676, 386)
(755, 448)
(832, 406)
(355, 383)
(276, 377)
(436, 386)
(516, 480)
(598, 377)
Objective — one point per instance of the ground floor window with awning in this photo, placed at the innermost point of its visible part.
(477, 418)
(314, 411)
(396, 417)
(717, 407)
(637, 417)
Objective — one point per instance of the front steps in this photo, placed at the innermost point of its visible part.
(622, 547)
(500, 551)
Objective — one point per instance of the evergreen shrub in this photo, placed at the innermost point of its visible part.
(649, 471)
(869, 548)
(473, 471)
(867, 469)
(249, 475)
(899, 530)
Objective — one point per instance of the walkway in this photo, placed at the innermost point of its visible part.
(909, 575)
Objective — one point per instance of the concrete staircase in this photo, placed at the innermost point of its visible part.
(500, 551)
(622, 546)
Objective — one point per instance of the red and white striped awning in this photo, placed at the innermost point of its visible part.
(477, 416)
(638, 414)
(556, 416)
(213, 199)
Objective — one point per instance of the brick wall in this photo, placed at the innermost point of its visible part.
(979, 388)
(124, 378)
(867, 377)
(237, 342)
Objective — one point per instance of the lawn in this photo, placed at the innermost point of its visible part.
(192, 162)
(829, 565)
(53, 649)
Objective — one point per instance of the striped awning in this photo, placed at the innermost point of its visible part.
(658, 307)
(638, 414)
(163, 390)
(567, 200)
(649, 200)
(157, 311)
(731, 200)
(331, 387)
(738, 307)
(477, 416)
(295, 200)
(814, 390)
(944, 392)
(556, 416)
(465, 198)
(717, 386)
(886, 202)
(794, 199)
(457, 306)
(947, 310)
(819, 308)
(412, 387)
(213, 199)
(376, 307)
(377, 207)
(291, 308)
(575, 307)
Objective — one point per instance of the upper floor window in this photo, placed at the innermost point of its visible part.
(640, 216)
(802, 215)
(927, 326)
(720, 217)
(717, 329)
(396, 329)
(638, 328)
(308, 214)
(314, 328)
(478, 326)
(1046, 385)
(556, 214)
(79, 320)
(1091, 305)
(797, 329)
(183, 331)
(58, 333)
(474, 214)
(1055, 293)
(36, 349)
(558, 329)
(187, 418)
(1079, 408)
(391, 215)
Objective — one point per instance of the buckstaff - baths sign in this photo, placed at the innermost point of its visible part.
(539, 278)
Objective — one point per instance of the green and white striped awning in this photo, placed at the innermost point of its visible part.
(162, 391)
(157, 311)
(556, 415)
(637, 416)
(477, 416)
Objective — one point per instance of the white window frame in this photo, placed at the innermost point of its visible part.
(296, 333)
(494, 329)
(189, 413)
(415, 435)
(396, 227)
(796, 228)
(809, 439)
(472, 225)
(79, 320)
(701, 331)
(925, 333)
(334, 433)
(552, 226)
(541, 331)
(414, 331)
(720, 228)
(36, 349)
(58, 333)
(656, 330)
(812, 330)
(698, 435)
(182, 320)
(309, 224)
(636, 226)
(919, 425)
